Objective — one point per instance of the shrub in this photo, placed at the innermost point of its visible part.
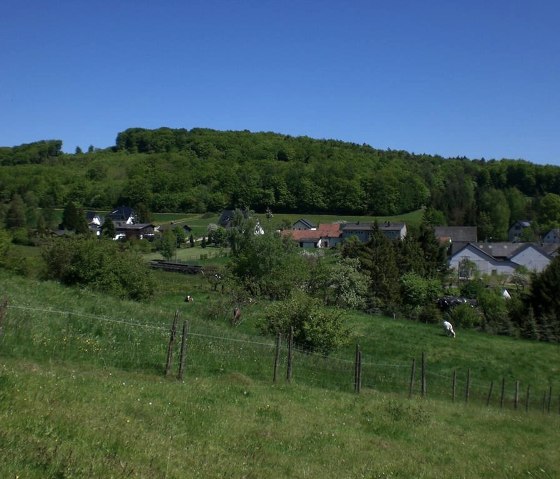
(465, 316)
(316, 328)
(100, 264)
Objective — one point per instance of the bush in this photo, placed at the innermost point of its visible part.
(100, 264)
(465, 316)
(316, 328)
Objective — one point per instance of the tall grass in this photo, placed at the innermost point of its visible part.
(82, 394)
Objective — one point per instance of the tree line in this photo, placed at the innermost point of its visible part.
(204, 170)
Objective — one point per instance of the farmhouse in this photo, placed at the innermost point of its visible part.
(324, 236)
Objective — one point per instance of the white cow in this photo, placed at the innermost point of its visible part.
(448, 328)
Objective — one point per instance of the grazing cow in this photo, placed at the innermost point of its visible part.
(448, 328)
(189, 299)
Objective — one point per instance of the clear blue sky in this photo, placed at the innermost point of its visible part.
(456, 78)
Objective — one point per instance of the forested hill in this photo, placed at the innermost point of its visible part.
(202, 170)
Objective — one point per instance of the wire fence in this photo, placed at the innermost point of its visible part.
(56, 335)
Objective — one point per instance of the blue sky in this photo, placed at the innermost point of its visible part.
(475, 79)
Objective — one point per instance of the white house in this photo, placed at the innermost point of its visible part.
(501, 258)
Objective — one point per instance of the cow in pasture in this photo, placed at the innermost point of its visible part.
(189, 299)
(448, 329)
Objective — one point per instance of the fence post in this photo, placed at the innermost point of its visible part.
(357, 369)
(527, 398)
(454, 385)
(183, 354)
(516, 400)
(503, 393)
(276, 357)
(290, 346)
(423, 385)
(412, 373)
(468, 387)
(3, 309)
(171, 343)
(489, 393)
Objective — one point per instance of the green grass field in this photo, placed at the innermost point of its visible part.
(83, 394)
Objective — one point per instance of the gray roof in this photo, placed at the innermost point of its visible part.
(463, 234)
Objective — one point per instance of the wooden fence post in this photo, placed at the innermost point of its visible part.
(171, 344)
(359, 375)
(276, 357)
(489, 393)
(527, 398)
(516, 399)
(423, 384)
(183, 354)
(3, 309)
(357, 370)
(468, 387)
(412, 373)
(290, 346)
(454, 385)
(503, 393)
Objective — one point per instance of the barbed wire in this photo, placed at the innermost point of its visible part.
(322, 361)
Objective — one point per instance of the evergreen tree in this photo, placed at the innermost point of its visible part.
(108, 228)
(15, 216)
(70, 216)
(380, 260)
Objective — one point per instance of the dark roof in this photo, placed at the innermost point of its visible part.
(306, 223)
(500, 250)
(91, 214)
(134, 227)
(122, 213)
(464, 234)
(504, 250)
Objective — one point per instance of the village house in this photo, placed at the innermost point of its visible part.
(501, 258)
(94, 222)
(324, 236)
(516, 230)
(303, 224)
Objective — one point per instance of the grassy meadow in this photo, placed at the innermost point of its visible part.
(83, 394)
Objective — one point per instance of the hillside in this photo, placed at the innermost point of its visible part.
(83, 395)
(203, 170)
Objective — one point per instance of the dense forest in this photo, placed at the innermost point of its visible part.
(203, 170)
